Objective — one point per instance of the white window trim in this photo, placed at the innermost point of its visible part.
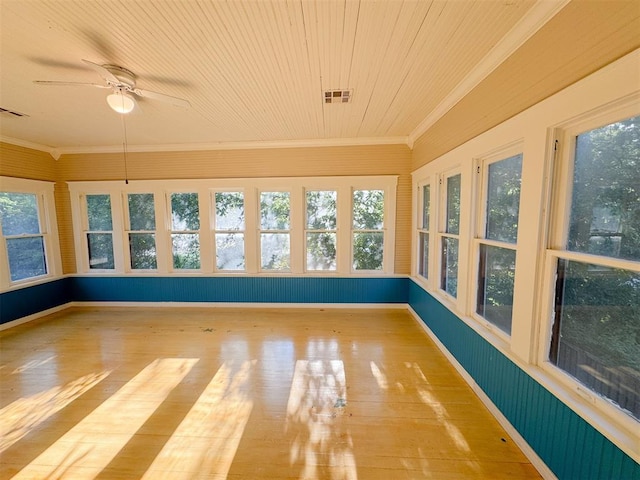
(428, 280)
(251, 187)
(212, 262)
(44, 192)
(307, 230)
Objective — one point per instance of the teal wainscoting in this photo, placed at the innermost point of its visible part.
(26, 301)
(570, 447)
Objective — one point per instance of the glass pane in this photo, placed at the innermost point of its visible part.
(142, 211)
(274, 251)
(423, 267)
(19, 213)
(605, 208)
(229, 211)
(185, 214)
(100, 250)
(274, 211)
(449, 273)
(321, 251)
(186, 250)
(321, 210)
(503, 199)
(495, 285)
(453, 204)
(595, 338)
(99, 213)
(426, 206)
(367, 250)
(142, 247)
(368, 209)
(230, 251)
(26, 257)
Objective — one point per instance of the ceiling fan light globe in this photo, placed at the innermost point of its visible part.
(121, 102)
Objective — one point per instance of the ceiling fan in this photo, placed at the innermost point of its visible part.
(122, 83)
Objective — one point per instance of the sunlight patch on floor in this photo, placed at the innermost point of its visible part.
(316, 405)
(93, 442)
(206, 441)
(25, 414)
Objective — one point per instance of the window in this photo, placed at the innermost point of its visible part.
(99, 232)
(497, 240)
(321, 233)
(423, 231)
(142, 226)
(185, 231)
(450, 236)
(229, 230)
(596, 325)
(275, 215)
(23, 235)
(368, 229)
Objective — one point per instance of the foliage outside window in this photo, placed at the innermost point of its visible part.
(99, 232)
(23, 236)
(275, 220)
(185, 231)
(596, 329)
(450, 238)
(423, 232)
(368, 229)
(229, 230)
(496, 246)
(142, 236)
(321, 233)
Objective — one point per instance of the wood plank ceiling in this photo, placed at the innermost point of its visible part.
(254, 71)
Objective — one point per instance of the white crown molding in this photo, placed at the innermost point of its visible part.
(34, 146)
(535, 18)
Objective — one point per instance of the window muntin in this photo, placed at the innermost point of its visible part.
(501, 182)
(23, 235)
(141, 234)
(229, 229)
(596, 302)
(368, 229)
(185, 231)
(423, 232)
(275, 237)
(450, 237)
(99, 232)
(321, 230)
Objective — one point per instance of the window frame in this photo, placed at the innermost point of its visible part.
(171, 231)
(481, 168)
(308, 230)
(442, 234)
(85, 230)
(421, 230)
(560, 198)
(45, 200)
(215, 230)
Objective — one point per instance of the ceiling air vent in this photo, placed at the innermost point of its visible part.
(6, 111)
(337, 96)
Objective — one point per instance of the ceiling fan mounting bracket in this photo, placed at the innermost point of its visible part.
(126, 77)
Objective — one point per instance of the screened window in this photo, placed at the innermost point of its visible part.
(450, 237)
(23, 235)
(99, 232)
(368, 229)
(423, 232)
(185, 231)
(596, 325)
(497, 241)
(229, 230)
(321, 229)
(141, 234)
(275, 221)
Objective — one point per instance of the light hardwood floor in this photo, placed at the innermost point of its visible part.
(197, 393)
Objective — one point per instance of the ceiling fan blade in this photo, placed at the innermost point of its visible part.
(103, 72)
(69, 84)
(179, 102)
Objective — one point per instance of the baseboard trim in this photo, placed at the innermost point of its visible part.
(239, 305)
(34, 316)
(533, 457)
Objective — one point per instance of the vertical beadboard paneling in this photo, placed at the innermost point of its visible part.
(65, 227)
(569, 445)
(31, 300)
